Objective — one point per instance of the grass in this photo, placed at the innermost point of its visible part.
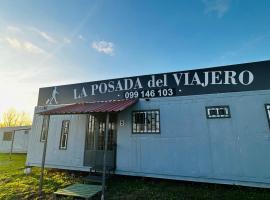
(14, 184)
(134, 188)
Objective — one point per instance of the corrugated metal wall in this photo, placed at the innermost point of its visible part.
(192, 147)
(20, 144)
(73, 157)
(189, 147)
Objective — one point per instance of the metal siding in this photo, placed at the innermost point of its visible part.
(95, 107)
(73, 157)
(20, 144)
(191, 147)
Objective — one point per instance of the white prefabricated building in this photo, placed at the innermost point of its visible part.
(14, 139)
(206, 125)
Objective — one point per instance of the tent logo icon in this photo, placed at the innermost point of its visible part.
(53, 97)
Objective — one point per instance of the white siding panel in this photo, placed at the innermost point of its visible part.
(20, 144)
(73, 157)
(192, 147)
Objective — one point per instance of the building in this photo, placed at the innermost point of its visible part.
(16, 144)
(206, 125)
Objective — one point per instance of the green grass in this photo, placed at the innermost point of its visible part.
(135, 188)
(14, 184)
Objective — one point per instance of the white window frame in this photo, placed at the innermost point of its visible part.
(45, 128)
(144, 128)
(267, 109)
(64, 134)
(218, 110)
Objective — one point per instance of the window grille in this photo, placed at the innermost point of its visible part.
(90, 139)
(95, 139)
(146, 121)
(218, 112)
(64, 134)
(267, 108)
(101, 135)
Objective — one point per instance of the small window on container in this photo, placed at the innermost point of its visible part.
(218, 112)
(45, 128)
(64, 135)
(267, 108)
(7, 136)
(146, 121)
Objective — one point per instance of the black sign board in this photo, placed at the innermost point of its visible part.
(232, 78)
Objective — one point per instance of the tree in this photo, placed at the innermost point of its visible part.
(12, 117)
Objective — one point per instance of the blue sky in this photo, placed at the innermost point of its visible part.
(45, 43)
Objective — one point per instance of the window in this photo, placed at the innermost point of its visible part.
(90, 137)
(101, 136)
(267, 108)
(95, 139)
(7, 136)
(45, 127)
(101, 133)
(146, 121)
(64, 134)
(218, 112)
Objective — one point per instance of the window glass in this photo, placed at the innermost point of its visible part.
(212, 112)
(64, 134)
(267, 107)
(145, 121)
(7, 136)
(45, 127)
(218, 112)
(90, 137)
(101, 134)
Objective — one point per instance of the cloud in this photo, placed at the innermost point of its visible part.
(103, 47)
(14, 43)
(66, 40)
(220, 7)
(32, 48)
(14, 29)
(24, 46)
(44, 35)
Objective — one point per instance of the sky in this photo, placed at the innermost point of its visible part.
(47, 43)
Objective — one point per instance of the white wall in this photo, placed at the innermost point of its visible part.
(192, 147)
(189, 146)
(20, 143)
(73, 157)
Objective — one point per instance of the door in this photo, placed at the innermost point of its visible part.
(95, 141)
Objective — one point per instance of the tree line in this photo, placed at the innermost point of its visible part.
(13, 117)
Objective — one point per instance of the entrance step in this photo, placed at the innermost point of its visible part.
(93, 179)
(99, 169)
(79, 190)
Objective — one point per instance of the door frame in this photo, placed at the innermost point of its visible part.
(112, 158)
